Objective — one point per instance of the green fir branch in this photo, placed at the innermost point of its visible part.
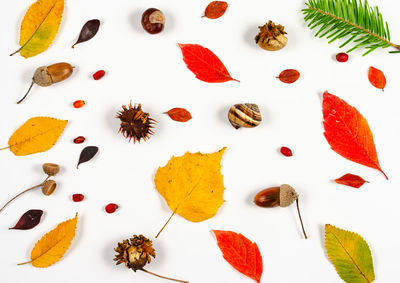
(361, 24)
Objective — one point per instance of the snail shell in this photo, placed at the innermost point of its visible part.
(244, 115)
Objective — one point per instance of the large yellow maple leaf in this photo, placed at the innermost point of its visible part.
(192, 185)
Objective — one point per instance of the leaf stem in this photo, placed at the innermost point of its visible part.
(354, 25)
(27, 190)
(22, 263)
(19, 101)
(5, 147)
(301, 221)
(165, 224)
(160, 276)
(19, 49)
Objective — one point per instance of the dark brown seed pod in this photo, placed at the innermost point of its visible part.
(51, 169)
(88, 31)
(271, 37)
(48, 75)
(244, 115)
(283, 196)
(49, 187)
(153, 21)
(135, 124)
(28, 220)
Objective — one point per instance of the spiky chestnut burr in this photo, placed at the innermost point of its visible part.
(135, 124)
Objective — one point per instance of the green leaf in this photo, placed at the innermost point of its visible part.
(335, 19)
(350, 254)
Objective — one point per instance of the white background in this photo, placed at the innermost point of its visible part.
(149, 69)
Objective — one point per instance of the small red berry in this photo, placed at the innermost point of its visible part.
(79, 103)
(99, 74)
(342, 57)
(79, 139)
(286, 151)
(77, 197)
(111, 207)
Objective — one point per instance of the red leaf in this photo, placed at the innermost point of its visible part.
(179, 114)
(241, 253)
(377, 78)
(348, 132)
(351, 180)
(204, 64)
(289, 76)
(216, 9)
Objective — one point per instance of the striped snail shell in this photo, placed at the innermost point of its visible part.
(244, 115)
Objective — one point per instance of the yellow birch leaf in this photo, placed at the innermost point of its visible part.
(40, 26)
(350, 254)
(38, 134)
(192, 185)
(53, 245)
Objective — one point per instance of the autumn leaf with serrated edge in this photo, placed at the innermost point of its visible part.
(39, 27)
(38, 134)
(192, 185)
(240, 253)
(350, 254)
(53, 245)
(348, 132)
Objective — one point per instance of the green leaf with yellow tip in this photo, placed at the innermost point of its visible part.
(350, 254)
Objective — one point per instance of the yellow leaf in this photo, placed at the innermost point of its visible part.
(52, 246)
(40, 26)
(38, 134)
(350, 254)
(192, 185)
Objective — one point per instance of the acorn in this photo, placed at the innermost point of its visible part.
(135, 124)
(271, 37)
(51, 169)
(48, 75)
(283, 196)
(244, 115)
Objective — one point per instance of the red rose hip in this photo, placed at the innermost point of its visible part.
(99, 74)
(79, 139)
(78, 103)
(286, 151)
(77, 197)
(111, 207)
(342, 57)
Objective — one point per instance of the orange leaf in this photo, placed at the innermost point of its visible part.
(289, 76)
(348, 132)
(351, 180)
(377, 78)
(216, 9)
(179, 114)
(204, 64)
(241, 253)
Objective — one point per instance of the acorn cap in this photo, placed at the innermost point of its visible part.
(51, 169)
(287, 195)
(42, 77)
(48, 187)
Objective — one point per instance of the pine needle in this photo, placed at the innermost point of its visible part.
(362, 25)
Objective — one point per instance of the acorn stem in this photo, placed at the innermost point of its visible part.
(165, 224)
(301, 221)
(160, 276)
(26, 93)
(27, 190)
